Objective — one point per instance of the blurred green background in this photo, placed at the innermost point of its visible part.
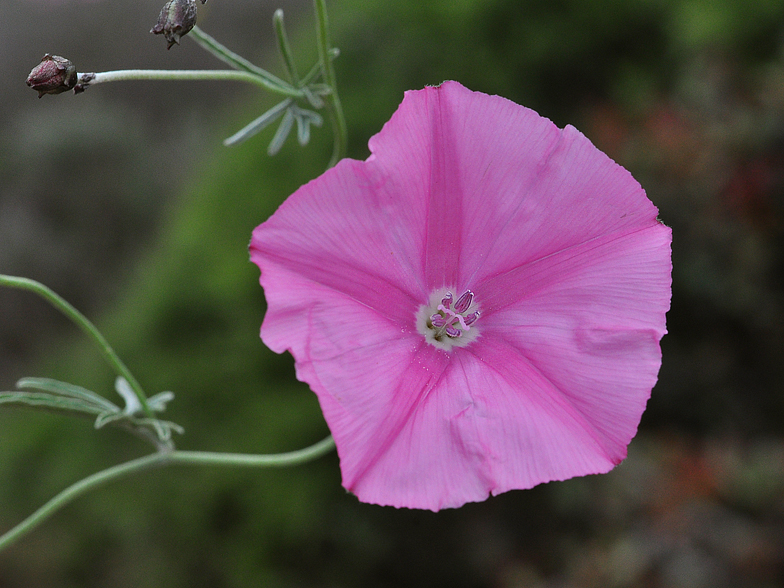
(124, 201)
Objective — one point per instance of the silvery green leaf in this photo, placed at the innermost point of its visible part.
(303, 129)
(132, 404)
(282, 133)
(314, 117)
(259, 124)
(55, 396)
(315, 100)
(320, 89)
(65, 389)
(304, 119)
(48, 401)
(163, 429)
(109, 417)
(283, 46)
(159, 401)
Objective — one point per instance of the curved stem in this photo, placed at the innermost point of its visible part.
(76, 490)
(328, 74)
(240, 459)
(197, 74)
(86, 326)
(160, 459)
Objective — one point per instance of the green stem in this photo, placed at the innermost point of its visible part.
(228, 57)
(328, 74)
(161, 459)
(85, 325)
(249, 460)
(198, 74)
(76, 490)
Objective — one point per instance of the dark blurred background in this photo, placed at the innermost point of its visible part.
(124, 201)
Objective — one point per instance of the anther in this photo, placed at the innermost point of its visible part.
(465, 300)
(446, 301)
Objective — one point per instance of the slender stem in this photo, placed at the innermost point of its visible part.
(228, 56)
(322, 36)
(75, 491)
(198, 74)
(328, 74)
(86, 326)
(161, 459)
(240, 459)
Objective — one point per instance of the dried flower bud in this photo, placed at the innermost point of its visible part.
(53, 75)
(176, 19)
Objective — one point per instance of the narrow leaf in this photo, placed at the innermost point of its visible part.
(159, 401)
(66, 389)
(314, 99)
(283, 46)
(259, 124)
(108, 417)
(48, 402)
(282, 133)
(315, 117)
(132, 404)
(303, 129)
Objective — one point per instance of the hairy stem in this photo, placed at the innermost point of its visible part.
(197, 74)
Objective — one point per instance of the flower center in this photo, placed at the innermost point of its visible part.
(446, 323)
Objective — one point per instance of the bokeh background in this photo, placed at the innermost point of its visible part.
(124, 201)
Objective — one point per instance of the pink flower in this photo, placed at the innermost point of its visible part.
(478, 306)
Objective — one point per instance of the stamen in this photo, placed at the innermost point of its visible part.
(471, 318)
(447, 300)
(465, 300)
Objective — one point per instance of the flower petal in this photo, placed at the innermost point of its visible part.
(476, 148)
(506, 186)
(590, 321)
(621, 279)
(345, 231)
(488, 424)
(577, 195)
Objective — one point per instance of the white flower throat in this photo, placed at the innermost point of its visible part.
(446, 323)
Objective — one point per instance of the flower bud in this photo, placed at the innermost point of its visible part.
(176, 19)
(53, 75)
